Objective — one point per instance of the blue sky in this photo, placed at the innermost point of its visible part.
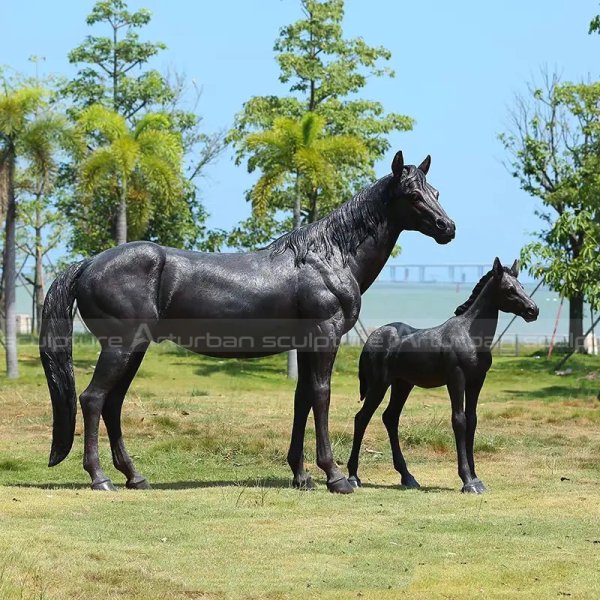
(458, 65)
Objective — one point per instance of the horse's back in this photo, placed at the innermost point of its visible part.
(387, 336)
(209, 285)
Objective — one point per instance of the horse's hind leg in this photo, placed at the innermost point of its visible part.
(472, 390)
(391, 419)
(302, 480)
(373, 399)
(111, 414)
(110, 369)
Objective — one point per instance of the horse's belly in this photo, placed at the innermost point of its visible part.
(241, 337)
(421, 368)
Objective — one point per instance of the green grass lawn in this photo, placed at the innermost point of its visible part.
(222, 521)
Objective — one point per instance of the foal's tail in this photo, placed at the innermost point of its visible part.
(56, 354)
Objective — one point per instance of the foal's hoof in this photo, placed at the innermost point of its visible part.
(473, 487)
(340, 486)
(104, 486)
(410, 482)
(138, 483)
(303, 482)
(354, 481)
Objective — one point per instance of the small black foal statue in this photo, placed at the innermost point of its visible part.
(456, 354)
(306, 285)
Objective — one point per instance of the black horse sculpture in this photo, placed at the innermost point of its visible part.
(306, 285)
(456, 354)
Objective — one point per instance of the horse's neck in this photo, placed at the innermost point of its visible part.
(373, 253)
(483, 316)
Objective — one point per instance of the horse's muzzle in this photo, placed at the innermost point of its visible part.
(445, 231)
(531, 313)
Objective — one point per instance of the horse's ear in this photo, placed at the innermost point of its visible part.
(424, 166)
(515, 268)
(398, 164)
(497, 269)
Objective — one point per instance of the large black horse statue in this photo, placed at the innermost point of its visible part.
(456, 354)
(303, 291)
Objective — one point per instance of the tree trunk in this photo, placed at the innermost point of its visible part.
(292, 355)
(121, 233)
(297, 209)
(576, 323)
(38, 285)
(10, 270)
(314, 213)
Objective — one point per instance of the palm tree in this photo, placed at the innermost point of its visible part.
(301, 158)
(27, 131)
(138, 165)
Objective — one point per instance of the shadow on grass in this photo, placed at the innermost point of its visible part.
(240, 367)
(424, 489)
(271, 482)
(557, 392)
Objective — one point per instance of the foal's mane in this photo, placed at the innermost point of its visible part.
(477, 290)
(346, 228)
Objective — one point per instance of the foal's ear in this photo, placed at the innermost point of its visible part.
(515, 268)
(497, 269)
(424, 166)
(398, 164)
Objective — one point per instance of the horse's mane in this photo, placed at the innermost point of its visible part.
(477, 290)
(346, 228)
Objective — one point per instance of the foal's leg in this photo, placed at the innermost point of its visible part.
(373, 399)
(302, 480)
(110, 369)
(472, 390)
(111, 414)
(391, 419)
(315, 370)
(456, 389)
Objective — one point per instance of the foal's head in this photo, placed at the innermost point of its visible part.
(510, 295)
(417, 202)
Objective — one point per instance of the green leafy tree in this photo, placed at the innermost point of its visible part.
(40, 226)
(595, 25)
(114, 72)
(297, 158)
(29, 132)
(109, 63)
(554, 144)
(41, 230)
(141, 167)
(324, 72)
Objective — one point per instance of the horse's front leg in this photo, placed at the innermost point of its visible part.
(472, 390)
(314, 379)
(456, 390)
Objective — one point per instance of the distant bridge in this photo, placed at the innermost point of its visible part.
(448, 273)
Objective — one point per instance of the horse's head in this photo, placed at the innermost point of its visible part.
(510, 295)
(417, 201)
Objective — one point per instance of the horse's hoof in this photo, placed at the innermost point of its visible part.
(304, 483)
(104, 486)
(340, 486)
(138, 483)
(354, 481)
(473, 487)
(410, 482)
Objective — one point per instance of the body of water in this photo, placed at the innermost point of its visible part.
(429, 304)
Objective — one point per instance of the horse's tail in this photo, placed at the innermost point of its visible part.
(56, 349)
(362, 374)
